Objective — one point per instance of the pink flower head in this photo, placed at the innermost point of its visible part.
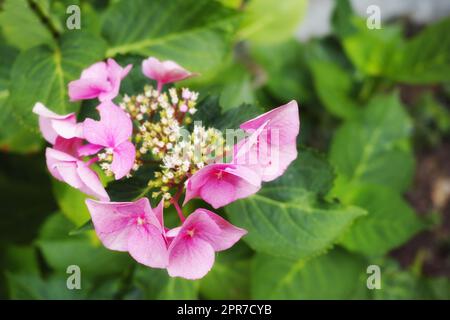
(53, 125)
(132, 227)
(112, 132)
(164, 71)
(67, 168)
(272, 145)
(193, 247)
(220, 184)
(101, 80)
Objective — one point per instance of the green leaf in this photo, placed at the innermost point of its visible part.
(230, 276)
(267, 21)
(233, 118)
(334, 88)
(61, 250)
(311, 171)
(26, 197)
(285, 69)
(132, 188)
(22, 27)
(374, 51)
(33, 287)
(194, 33)
(426, 58)
(156, 284)
(342, 18)
(287, 218)
(41, 74)
(374, 148)
(71, 202)
(335, 275)
(390, 221)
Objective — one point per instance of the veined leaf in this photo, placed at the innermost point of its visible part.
(374, 148)
(335, 275)
(267, 21)
(41, 74)
(22, 27)
(287, 217)
(230, 276)
(390, 221)
(194, 33)
(156, 284)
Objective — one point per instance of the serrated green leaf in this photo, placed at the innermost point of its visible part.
(194, 33)
(41, 74)
(374, 148)
(287, 218)
(389, 223)
(21, 25)
(335, 275)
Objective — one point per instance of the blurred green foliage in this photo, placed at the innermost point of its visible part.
(313, 232)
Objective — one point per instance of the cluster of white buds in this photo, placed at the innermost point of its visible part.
(158, 118)
(160, 136)
(191, 153)
(105, 159)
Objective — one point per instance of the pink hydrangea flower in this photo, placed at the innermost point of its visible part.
(272, 145)
(220, 184)
(164, 71)
(101, 80)
(112, 132)
(68, 168)
(53, 125)
(193, 245)
(133, 227)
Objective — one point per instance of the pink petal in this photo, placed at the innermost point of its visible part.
(84, 89)
(92, 184)
(190, 258)
(284, 119)
(164, 72)
(68, 172)
(111, 225)
(267, 159)
(115, 75)
(221, 184)
(89, 149)
(123, 159)
(159, 213)
(218, 193)
(113, 128)
(52, 124)
(229, 234)
(147, 246)
(68, 146)
(97, 71)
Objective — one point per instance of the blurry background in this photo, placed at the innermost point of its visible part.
(374, 106)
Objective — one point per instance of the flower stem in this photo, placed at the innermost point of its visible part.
(174, 201)
(179, 210)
